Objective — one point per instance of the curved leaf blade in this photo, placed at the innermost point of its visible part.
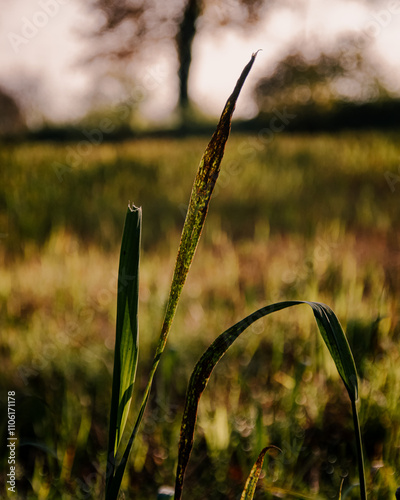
(252, 480)
(331, 332)
(338, 346)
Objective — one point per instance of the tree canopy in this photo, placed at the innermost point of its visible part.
(343, 72)
(11, 118)
(129, 28)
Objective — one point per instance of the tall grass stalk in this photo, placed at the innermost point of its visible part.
(126, 341)
(126, 345)
(203, 186)
(251, 483)
(359, 447)
(336, 342)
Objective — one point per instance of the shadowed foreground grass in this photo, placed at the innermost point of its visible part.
(304, 217)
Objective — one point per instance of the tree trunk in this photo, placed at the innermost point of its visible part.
(184, 40)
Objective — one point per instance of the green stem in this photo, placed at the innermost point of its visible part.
(360, 456)
(202, 190)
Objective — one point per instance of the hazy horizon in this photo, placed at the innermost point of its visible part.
(45, 43)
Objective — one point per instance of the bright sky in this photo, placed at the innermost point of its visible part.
(42, 41)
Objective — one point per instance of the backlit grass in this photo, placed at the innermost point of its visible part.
(318, 221)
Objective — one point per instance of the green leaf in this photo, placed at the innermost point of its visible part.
(251, 483)
(126, 340)
(360, 456)
(202, 190)
(331, 332)
(339, 348)
(203, 187)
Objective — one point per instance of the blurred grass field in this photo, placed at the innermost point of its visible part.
(303, 217)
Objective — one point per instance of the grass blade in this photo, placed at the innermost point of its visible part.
(203, 186)
(340, 489)
(126, 339)
(252, 480)
(331, 332)
(338, 346)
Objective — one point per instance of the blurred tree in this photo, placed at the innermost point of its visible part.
(341, 72)
(129, 27)
(11, 119)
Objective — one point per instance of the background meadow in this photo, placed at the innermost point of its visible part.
(301, 216)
